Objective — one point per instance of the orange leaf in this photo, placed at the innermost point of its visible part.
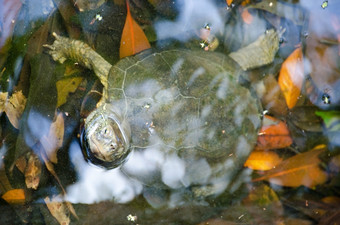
(291, 77)
(247, 17)
(133, 38)
(301, 169)
(262, 160)
(14, 196)
(229, 2)
(273, 134)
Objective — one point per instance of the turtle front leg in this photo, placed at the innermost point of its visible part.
(65, 48)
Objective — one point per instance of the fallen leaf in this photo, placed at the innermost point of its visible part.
(54, 139)
(133, 39)
(330, 118)
(13, 107)
(291, 77)
(50, 168)
(301, 169)
(14, 196)
(21, 164)
(263, 197)
(246, 16)
(262, 160)
(274, 134)
(271, 96)
(58, 209)
(3, 100)
(65, 87)
(229, 2)
(33, 171)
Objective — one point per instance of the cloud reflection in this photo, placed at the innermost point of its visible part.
(193, 15)
(95, 184)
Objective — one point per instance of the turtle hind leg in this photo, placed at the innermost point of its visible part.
(64, 48)
(259, 53)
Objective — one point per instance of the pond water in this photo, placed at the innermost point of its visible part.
(174, 112)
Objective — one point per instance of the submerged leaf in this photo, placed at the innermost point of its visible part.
(13, 107)
(291, 77)
(14, 196)
(54, 140)
(274, 134)
(33, 171)
(262, 160)
(58, 209)
(301, 169)
(133, 38)
(65, 87)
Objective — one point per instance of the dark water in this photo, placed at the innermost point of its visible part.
(166, 181)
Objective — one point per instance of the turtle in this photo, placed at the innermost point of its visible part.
(181, 115)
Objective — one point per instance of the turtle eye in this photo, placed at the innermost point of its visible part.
(107, 132)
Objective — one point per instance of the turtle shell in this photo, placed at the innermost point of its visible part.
(183, 113)
(187, 101)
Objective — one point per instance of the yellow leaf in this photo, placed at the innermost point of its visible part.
(291, 77)
(262, 160)
(66, 86)
(301, 169)
(54, 140)
(14, 196)
(229, 2)
(133, 38)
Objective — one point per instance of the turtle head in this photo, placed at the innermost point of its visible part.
(105, 138)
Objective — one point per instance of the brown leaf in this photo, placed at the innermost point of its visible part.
(65, 87)
(274, 134)
(33, 171)
(271, 96)
(264, 205)
(21, 164)
(58, 209)
(133, 39)
(301, 169)
(54, 140)
(13, 107)
(14, 196)
(262, 160)
(291, 77)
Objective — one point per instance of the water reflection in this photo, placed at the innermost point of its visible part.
(96, 184)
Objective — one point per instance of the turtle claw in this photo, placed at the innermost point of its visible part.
(58, 50)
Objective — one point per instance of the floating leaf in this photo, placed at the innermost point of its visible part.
(291, 77)
(274, 134)
(133, 38)
(262, 160)
(65, 87)
(54, 140)
(14, 196)
(301, 169)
